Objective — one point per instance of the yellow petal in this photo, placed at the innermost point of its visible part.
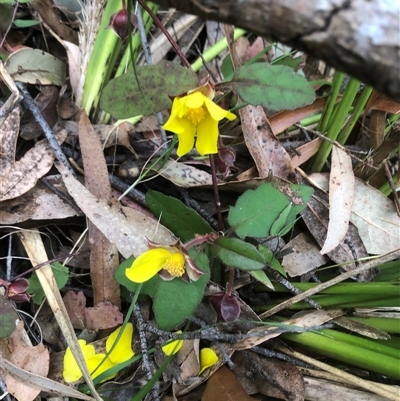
(194, 100)
(94, 361)
(123, 349)
(147, 265)
(172, 347)
(71, 371)
(208, 358)
(216, 112)
(207, 136)
(186, 138)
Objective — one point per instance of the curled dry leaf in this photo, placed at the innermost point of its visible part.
(18, 177)
(341, 195)
(374, 214)
(264, 147)
(32, 359)
(40, 203)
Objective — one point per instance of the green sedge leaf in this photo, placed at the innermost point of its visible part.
(280, 221)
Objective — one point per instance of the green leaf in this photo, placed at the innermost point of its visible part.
(262, 278)
(271, 259)
(60, 274)
(257, 210)
(276, 87)
(8, 317)
(239, 254)
(148, 288)
(176, 300)
(175, 215)
(123, 98)
(21, 23)
(280, 221)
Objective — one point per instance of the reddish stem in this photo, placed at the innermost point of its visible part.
(166, 33)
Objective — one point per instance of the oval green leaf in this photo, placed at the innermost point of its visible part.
(276, 87)
(123, 97)
(236, 253)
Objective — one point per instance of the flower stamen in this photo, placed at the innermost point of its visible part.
(175, 265)
(195, 116)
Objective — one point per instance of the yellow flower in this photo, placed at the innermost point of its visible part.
(71, 372)
(172, 347)
(123, 349)
(196, 114)
(121, 353)
(208, 358)
(168, 261)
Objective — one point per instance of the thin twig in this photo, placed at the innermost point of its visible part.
(31, 105)
(141, 326)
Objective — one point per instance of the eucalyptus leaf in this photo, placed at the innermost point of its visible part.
(276, 87)
(176, 300)
(234, 252)
(176, 216)
(124, 98)
(257, 210)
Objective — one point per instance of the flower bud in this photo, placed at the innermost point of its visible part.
(119, 23)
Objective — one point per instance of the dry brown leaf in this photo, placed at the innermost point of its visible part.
(266, 150)
(306, 151)
(40, 203)
(284, 119)
(268, 376)
(316, 217)
(341, 195)
(18, 177)
(46, 101)
(128, 229)
(31, 359)
(104, 258)
(102, 316)
(223, 385)
(304, 257)
(375, 216)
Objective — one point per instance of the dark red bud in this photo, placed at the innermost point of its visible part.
(226, 306)
(119, 23)
(16, 291)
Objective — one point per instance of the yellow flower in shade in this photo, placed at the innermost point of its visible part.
(123, 349)
(208, 358)
(172, 347)
(195, 114)
(168, 261)
(121, 353)
(71, 372)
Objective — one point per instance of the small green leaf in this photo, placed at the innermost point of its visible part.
(257, 210)
(176, 300)
(276, 87)
(21, 23)
(148, 288)
(262, 278)
(60, 274)
(175, 215)
(239, 254)
(123, 98)
(8, 317)
(271, 259)
(280, 221)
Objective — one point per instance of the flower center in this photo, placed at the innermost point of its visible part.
(196, 115)
(175, 265)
